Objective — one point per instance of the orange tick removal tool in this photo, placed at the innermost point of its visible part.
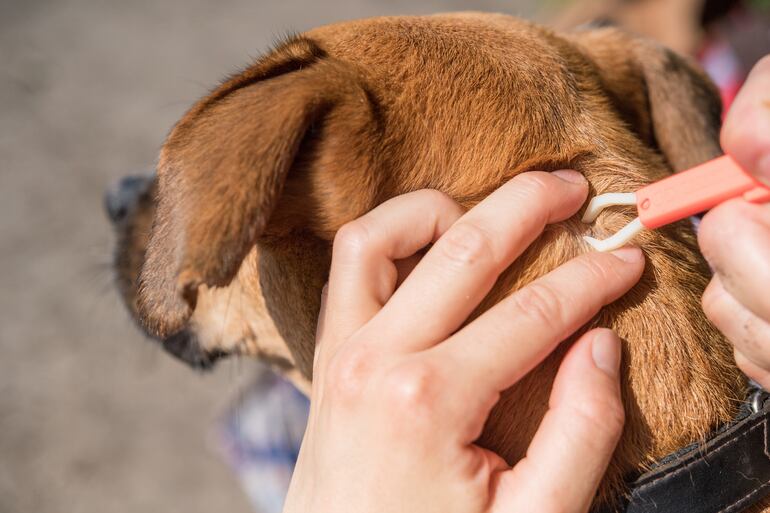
(677, 197)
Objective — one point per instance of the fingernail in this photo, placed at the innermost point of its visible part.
(569, 175)
(763, 169)
(630, 254)
(605, 350)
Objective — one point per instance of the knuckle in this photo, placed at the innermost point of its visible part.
(434, 196)
(466, 243)
(540, 303)
(353, 237)
(411, 389)
(441, 204)
(348, 373)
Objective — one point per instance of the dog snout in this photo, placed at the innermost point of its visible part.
(185, 346)
(122, 198)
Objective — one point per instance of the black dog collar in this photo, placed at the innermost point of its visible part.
(727, 473)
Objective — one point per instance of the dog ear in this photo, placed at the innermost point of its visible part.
(665, 97)
(222, 170)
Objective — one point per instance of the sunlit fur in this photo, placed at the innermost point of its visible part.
(257, 177)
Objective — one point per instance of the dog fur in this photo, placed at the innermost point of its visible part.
(256, 179)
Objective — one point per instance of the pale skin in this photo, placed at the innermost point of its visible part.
(735, 237)
(400, 393)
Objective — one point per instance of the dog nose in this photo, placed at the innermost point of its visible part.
(185, 346)
(121, 198)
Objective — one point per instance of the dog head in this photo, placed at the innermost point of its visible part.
(221, 324)
(257, 177)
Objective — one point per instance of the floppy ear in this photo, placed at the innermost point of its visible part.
(223, 168)
(665, 97)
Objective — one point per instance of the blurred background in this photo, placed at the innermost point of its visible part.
(93, 417)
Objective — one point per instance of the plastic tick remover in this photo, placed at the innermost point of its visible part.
(677, 197)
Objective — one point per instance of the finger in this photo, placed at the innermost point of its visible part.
(363, 274)
(749, 334)
(462, 266)
(759, 374)
(320, 327)
(406, 265)
(735, 239)
(508, 340)
(746, 131)
(574, 444)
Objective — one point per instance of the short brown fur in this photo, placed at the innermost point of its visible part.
(270, 165)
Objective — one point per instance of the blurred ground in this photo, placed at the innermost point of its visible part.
(92, 417)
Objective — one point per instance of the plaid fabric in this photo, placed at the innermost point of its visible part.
(260, 437)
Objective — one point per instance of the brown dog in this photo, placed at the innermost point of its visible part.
(256, 179)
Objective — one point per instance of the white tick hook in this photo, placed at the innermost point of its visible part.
(620, 239)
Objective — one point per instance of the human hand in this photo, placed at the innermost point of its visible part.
(735, 236)
(402, 390)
